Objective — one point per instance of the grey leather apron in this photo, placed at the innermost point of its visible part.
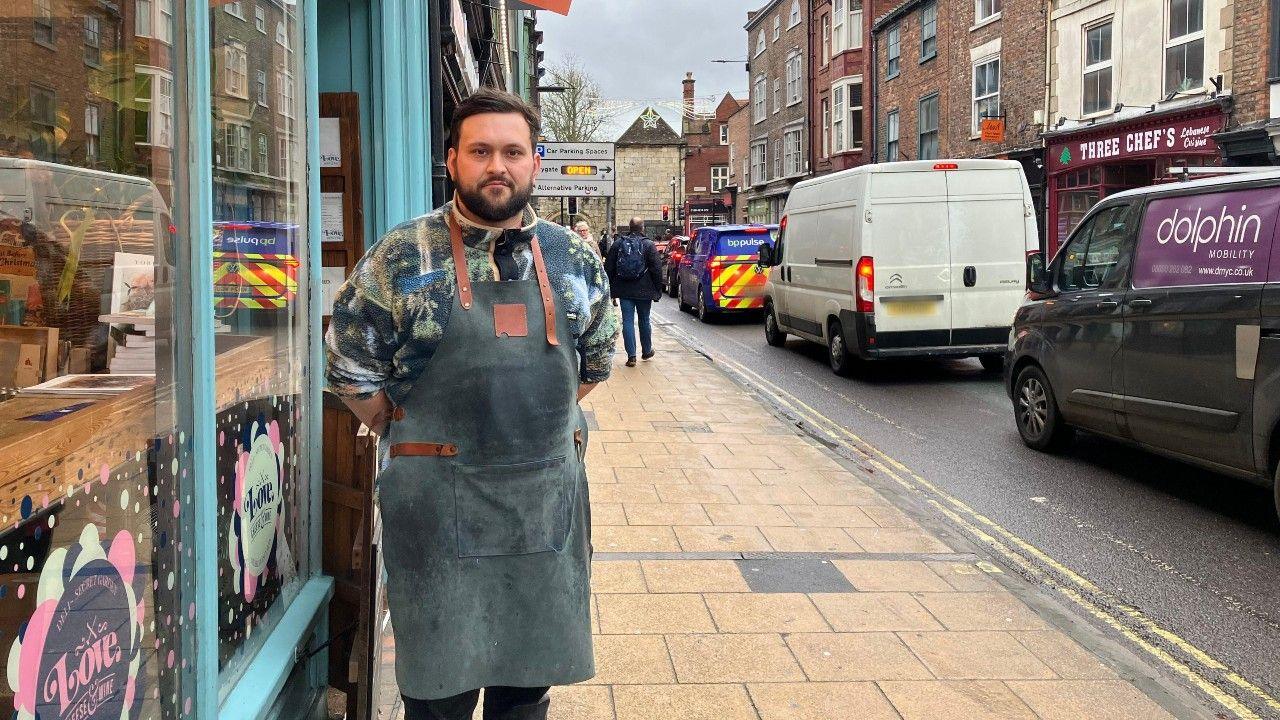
(484, 501)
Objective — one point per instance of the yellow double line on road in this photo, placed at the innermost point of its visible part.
(1098, 603)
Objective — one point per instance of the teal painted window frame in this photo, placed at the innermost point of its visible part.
(303, 620)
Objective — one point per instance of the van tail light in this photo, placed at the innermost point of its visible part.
(713, 264)
(782, 226)
(866, 277)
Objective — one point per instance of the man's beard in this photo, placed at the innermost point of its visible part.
(496, 212)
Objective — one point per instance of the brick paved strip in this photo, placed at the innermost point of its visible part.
(966, 559)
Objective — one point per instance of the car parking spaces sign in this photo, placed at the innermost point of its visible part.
(575, 170)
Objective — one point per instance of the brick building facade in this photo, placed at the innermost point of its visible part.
(777, 45)
(739, 124)
(1251, 68)
(706, 165)
(838, 59)
(650, 167)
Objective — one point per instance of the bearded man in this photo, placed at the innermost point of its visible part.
(465, 339)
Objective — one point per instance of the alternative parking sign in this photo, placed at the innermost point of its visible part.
(575, 170)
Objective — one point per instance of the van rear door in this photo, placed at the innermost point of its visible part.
(989, 217)
(907, 239)
(737, 283)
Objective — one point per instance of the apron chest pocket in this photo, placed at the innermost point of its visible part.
(513, 509)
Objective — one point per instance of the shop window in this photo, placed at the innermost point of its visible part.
(1097, 69)
(928, 32)
(984, 10)
(1184, 49)
(92, 134)
(260, 290)
(92, 40)
(97, 529)
(928, 126)
(43, 21)
(895, 51)
(891, 136)
(719, 177)
(986, 92)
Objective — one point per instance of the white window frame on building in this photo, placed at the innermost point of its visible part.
(724, 133)
(922, 130)
(793, 155)
(42, 22)
(159, 106)
(826, 127)
(260, 19)
(144, 17)
(892, 130)
(746, 171)
(837, 117)
(760, 44)
(893, 52)
(235, 8)
(777, 28)
(284, 146)
(855, 25)
(285, 93)
(758, 99)
(777, 159)
(777, 95)
(794, 71)
(929, 32)
(1189, 44)
(263, 167)
(985, 11)
(1101, 68)
(982, 103)
(793, 18)
(235, 60)
(165, 24)
(92, 40)
(719, 177)
(759, 161)
(260, 87)
(282, 35)
(237, 150)
(838, 18)
(92, 131)
(847, 119)
(826, 40)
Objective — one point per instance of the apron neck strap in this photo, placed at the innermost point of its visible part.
(539, 266)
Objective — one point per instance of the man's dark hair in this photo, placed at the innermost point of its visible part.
(637, 226)
(489, 100)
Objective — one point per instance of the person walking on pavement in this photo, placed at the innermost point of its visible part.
(635, 276)
(466, 338)
(584, 231)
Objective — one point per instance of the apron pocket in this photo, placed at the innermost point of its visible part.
(513, 509)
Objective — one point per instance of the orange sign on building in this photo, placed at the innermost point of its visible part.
(993, 130)
(555, 6)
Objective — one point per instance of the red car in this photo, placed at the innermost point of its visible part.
(672, 254)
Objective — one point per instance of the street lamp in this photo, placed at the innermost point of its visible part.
(673, 198)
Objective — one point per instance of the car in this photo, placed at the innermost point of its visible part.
(1158, 324)
(720, 273)
(903, 259)
(671, 256)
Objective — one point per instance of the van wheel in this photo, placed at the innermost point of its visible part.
(837, 353)
(1036, 412)
(992, 362)
(772, 333)
(704, 313)
(684, 306)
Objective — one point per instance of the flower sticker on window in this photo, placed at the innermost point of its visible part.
(257, 522)
(79, 654)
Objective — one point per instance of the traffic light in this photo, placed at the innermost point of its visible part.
(666, 213)
(573, 206)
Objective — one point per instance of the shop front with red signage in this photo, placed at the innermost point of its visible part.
(1088, 165)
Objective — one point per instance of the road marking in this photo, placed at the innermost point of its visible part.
(973, 522)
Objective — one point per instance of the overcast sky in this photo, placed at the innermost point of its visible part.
(640, 49)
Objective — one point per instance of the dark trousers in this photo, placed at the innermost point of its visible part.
(633, 310)
(500, 703)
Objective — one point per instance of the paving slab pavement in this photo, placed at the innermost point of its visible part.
(742, 570)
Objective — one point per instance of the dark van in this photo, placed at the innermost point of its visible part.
(1158, 324)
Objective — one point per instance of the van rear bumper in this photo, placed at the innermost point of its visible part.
(861, 338)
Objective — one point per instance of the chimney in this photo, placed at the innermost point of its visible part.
(688, 97)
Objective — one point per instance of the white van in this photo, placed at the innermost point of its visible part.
(922, 258)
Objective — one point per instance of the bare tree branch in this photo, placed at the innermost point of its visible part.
(573, 115)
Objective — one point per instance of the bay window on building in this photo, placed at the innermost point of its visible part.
(929, 32)
(837, 121)
(928, 128)
(793, 77)
(1184, 47)
(986, 92)
(891, 131)
(792, 161)
(759, 94)
(846, 125)
(1097, 69)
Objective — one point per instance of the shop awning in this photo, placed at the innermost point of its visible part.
(555, 6)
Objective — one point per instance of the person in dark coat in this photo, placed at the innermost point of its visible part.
(635, 293)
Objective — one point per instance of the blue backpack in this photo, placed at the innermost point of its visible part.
(631, 260)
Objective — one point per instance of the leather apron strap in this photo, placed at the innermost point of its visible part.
(539, 266)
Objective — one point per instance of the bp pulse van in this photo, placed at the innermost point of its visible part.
(721, 272)
(1158, 324)
(923, 258)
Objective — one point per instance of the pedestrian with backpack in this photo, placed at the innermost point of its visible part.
(635, 277)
